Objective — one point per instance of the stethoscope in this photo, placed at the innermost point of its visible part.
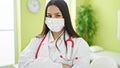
(68, 40)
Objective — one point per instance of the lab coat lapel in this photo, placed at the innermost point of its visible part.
(43, 52)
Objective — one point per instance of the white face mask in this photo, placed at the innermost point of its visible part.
(55, 24)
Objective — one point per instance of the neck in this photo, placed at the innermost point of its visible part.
(56, 34)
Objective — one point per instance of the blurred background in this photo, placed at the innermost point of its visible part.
(97, 21)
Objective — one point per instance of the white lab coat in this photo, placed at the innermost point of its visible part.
(49, 56)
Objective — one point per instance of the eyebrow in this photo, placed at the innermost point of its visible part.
(54, 13)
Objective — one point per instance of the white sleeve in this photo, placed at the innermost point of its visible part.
(45, 63)
(28, 55)
(82, 63)
(27, 58)
(83, 54)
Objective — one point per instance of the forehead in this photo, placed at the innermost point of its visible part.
(53, 9)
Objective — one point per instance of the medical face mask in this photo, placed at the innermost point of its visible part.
(55, 24)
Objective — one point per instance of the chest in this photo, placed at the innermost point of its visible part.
(48, 49)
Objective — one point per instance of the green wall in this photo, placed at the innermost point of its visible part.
(105, 12)
(31, 23)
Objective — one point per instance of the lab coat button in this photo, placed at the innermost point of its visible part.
(61, 56)
(76, 58)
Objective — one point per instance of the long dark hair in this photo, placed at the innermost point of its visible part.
(61, 4)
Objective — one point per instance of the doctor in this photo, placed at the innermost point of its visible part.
(58, 46)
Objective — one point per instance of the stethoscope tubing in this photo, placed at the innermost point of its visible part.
(69, 39)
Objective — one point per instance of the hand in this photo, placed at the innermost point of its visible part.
(66, 66)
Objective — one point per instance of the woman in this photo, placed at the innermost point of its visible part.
(58, 46)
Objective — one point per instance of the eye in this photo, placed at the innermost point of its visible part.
(48, 15)
(58, 15)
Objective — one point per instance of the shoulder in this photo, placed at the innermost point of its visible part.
(32, 45)
(36, 38)
(80, 41)
(34, 42)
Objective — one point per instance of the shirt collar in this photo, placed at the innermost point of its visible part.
(50, 36)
